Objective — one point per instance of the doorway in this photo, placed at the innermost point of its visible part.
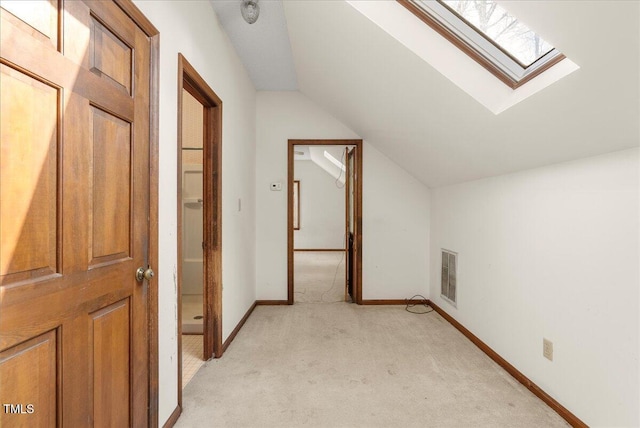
(334, 261)
(199, 274)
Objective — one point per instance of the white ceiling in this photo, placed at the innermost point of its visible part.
(263, 47)
(416, 116)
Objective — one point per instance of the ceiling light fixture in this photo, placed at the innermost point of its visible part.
(250, 10)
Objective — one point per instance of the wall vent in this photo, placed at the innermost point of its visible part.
(449, 281)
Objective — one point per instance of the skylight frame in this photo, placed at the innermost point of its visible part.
(479, 46)
(491, 40)
(335, 161)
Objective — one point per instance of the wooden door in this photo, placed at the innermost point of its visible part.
(74, 209)
(347, 225)
(351, 224)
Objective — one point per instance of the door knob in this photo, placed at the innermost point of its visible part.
(147, 274)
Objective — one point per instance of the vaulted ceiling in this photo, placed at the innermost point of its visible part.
(403, 106)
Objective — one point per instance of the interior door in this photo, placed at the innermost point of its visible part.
(347, 225)
(351, 224)
(74, 207)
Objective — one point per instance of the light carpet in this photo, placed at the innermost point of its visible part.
(342, 365)
(319, 276)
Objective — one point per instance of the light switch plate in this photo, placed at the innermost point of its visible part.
(547, 349)
(276, 187)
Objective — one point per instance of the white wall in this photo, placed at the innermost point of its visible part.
(395, 224)
(322, 206)
(191, 27)
(395, 205)
(552, 252)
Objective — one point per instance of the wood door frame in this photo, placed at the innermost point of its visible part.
(190, 80)
(358, 215)
(132, 11)
(347, 223)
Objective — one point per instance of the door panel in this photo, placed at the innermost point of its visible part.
(74, 199)
(110, 56)
(28, 225)
(37, 18)
(110, 327)
(38, 357)
(111, 187)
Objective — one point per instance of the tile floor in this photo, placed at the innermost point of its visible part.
(191, 356)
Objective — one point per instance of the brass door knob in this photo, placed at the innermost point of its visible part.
(143, 273)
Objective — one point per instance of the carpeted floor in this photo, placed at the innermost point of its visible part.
(319, 276)
(342, 365)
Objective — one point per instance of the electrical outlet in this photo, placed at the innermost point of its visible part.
(547, 349)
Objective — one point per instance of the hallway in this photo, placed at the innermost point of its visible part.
(344, 365)
(319, 276)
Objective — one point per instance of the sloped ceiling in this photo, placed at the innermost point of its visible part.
(418, 118)
(263, 47)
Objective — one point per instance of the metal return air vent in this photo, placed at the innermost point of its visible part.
(449, 281)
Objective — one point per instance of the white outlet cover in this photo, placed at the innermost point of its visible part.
(547, 349)
(276, 187)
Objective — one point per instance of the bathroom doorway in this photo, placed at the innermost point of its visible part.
(199, 276)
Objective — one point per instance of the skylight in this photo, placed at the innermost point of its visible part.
(490, 35)
(334, 161)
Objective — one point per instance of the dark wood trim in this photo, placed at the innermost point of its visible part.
(136, 15)
(358, 201)
(191, 81)
(213, 225)
(238, 327)
(319, 249)
(271, 302)
(154, 192)
(540, 70)
(290, 177)
(373, 302)
(347, 224)
(471, 52)
(173, 418)
(132, 11)
(358, 220)
(572, 419)
(178, 278)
